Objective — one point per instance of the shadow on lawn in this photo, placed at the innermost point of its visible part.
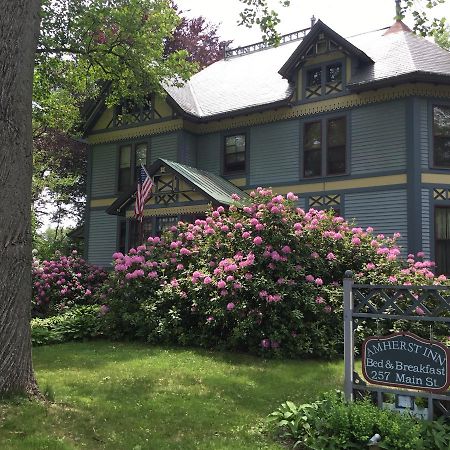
(113, 394)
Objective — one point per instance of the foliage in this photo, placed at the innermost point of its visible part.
(442, 38)
(263, 276)
(199, 38)
(332, 424)
(59, 176)
(258, 12)
(423, 24)
(119, 396)
(63, 283)
(80, 322)
(51, 241)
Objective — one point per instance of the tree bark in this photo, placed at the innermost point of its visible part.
(19, 29)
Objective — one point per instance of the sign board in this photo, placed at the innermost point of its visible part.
(406, 360)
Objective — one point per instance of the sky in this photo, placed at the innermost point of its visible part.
(347, 17)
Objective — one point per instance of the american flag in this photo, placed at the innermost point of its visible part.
(144, 191)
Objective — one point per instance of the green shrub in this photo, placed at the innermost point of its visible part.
(263, 276)
(81, 322)
(333, 424)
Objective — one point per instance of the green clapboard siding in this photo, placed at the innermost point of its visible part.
(104, 159)
(385, 211)
(188, 149)
(274, 153)
(425, 121)
(102, 237)
(378, 138)
(426, 223)
(208, 152)
(164, 146)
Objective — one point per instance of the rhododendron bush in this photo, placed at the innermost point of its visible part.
(63, 282)
(262, 276)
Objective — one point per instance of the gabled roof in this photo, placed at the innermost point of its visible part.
(215, 188)
(252, 82)
(319, 27)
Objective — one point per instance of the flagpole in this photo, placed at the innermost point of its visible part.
(141, 199)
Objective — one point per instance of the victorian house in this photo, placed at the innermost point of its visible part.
(359, 124)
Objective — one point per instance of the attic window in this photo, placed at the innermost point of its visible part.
(128, 112)
(324, 80)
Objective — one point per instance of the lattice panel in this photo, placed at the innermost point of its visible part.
(441, 194)
(324, 200)
(403, 301)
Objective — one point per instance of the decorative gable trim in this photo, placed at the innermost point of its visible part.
(294, 61)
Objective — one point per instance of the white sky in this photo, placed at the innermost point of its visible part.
(346, 17)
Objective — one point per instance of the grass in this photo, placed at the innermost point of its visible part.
(135, 397)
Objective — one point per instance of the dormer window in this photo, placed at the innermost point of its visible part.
(325, 79)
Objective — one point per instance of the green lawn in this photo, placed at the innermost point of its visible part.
(130, 396)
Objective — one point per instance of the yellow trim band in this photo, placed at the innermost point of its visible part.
(436, 178)
(323, 186)
(176, 210)
(102, 202)
(138, 131)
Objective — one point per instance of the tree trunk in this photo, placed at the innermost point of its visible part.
(19, 28)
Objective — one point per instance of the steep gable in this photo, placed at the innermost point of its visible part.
(319, 41)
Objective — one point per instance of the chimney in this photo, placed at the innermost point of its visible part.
(313, 21)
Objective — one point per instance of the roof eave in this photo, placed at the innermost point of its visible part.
(412, 77)
(238, 112)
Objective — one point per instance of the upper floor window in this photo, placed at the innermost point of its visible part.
(128, 112)
(324, 80)
(124, 167)
(325, 147)
(130, 155)
(235, 153)
(441, 136)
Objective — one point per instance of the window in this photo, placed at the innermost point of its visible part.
(128, 112)
(442, 239)
(324, 80)
(441, 136)
(140, 158)
(234, 154)
(165, 222)
(140, 231)
(131, 155)
(122, 237)
(325, 160)
(124, 167)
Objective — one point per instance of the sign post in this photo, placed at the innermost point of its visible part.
(400, 364)
(348, 336)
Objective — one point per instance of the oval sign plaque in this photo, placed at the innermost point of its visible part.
(406, 360)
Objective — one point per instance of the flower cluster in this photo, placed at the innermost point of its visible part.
(261, 275)
(63, 282)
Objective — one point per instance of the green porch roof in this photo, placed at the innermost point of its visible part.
(217, 189)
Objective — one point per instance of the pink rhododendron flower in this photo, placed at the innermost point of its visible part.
(207, 280)
(257, 240)
(230, 306)
(318, 281)
(265, 343)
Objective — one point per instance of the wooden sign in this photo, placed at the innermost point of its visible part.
(406, 360)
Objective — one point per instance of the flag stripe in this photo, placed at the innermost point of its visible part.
(144, 191)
